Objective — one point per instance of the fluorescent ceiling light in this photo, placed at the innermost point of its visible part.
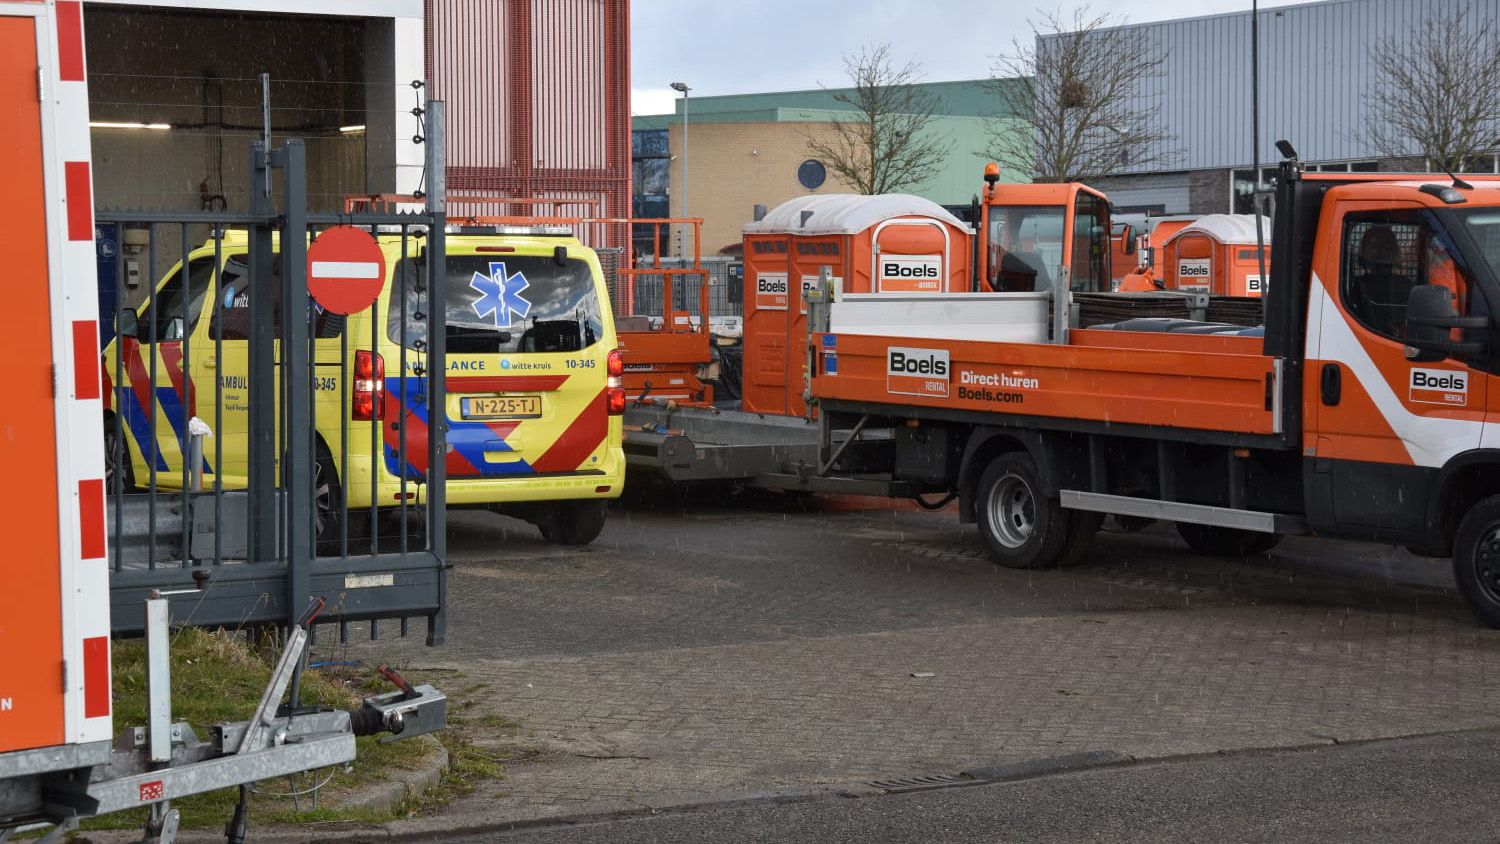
(349, 130)
(105, 124)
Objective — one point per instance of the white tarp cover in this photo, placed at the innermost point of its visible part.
(1228, 228)
(846, 213)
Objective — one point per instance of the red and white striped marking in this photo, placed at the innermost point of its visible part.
(79, 407)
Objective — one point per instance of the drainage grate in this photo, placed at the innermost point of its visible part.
(919, 783)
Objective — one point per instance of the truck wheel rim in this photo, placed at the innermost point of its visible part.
(1487, 565)
(1012, 511)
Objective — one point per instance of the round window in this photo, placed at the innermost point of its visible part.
(811, 174)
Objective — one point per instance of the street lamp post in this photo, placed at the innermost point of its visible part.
(682, 87)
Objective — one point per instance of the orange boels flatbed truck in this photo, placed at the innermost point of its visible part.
(1361, 408)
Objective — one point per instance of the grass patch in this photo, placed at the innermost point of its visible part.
(219, 676)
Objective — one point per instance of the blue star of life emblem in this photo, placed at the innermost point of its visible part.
(500, 295)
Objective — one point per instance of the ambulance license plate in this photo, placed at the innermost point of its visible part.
(501, 407)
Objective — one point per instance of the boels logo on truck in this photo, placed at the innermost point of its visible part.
(916, 372)
(1440, 386)
(911, 274)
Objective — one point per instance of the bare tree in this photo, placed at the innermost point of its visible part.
(886, 143)
(1076, 99)
(1435, 92)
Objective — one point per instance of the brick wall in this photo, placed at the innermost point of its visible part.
(1208, 192)
(732, 167)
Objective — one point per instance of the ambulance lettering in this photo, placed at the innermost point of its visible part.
(1440, 386)
(916, 372)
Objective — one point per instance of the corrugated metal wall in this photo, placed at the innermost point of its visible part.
(538, 100)
(1314, 73)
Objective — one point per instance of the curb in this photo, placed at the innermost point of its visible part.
(386, 794)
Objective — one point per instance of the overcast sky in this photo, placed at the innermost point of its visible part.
(734, 47)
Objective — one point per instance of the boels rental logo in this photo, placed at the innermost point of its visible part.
(770, 291)
(911, 273)
(1440, 386)
(917, 372)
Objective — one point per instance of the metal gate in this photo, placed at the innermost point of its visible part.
(258, 455)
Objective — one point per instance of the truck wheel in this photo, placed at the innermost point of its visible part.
(1226, 542)
(1084, 525)
(574, 522)
(1476, 560)
(1023, 529)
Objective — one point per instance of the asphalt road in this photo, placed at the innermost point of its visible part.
(708, 567)
(712, 645)
(1432, 789)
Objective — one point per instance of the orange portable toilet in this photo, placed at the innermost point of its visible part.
(893, 243)
(1216, 254)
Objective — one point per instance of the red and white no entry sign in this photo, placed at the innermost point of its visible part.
(345, 269)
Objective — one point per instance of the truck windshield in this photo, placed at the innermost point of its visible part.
(509, 303)
(1025, 246)
(1483, 225)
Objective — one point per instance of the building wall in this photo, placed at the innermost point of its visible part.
(751, 145)
(1315, 66)
(732, 167)
(537, 93)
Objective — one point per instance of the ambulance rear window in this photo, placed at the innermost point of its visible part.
(501, 303)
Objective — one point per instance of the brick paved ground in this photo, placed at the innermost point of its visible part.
(739, 650)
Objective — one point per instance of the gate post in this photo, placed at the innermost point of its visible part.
(437, 370)
(261, 420)
(296, 380)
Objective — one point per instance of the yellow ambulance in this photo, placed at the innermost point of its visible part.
(533, 402)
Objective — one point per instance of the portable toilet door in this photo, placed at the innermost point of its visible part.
(786, 251)
(1191, 263)
(916, 255)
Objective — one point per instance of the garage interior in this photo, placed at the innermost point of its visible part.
(176, 100)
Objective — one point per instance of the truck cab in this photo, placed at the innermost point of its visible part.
(1398, 360)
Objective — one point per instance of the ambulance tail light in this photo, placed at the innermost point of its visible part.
(369, 386)
(614, 398)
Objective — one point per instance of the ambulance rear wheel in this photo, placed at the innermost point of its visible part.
(113, 441)
(1021, 526)
(1226, 542)
(1476, 560)
(574, 522)
(328, 504)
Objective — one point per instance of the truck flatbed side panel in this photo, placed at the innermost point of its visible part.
(1144, 386)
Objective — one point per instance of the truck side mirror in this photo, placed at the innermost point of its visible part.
(1128, 240)
(125, 322)
(1430, 323)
